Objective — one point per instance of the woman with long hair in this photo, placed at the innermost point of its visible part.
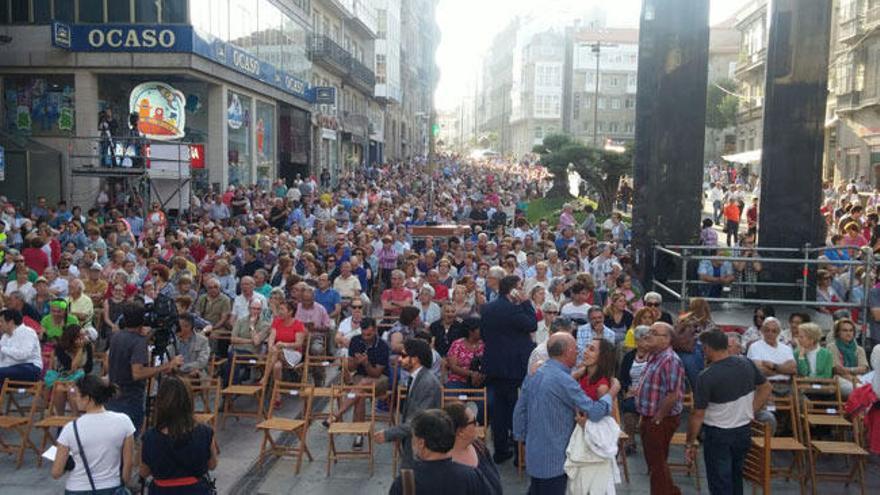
(597, 369)
(73, 360)
(100, 439)
(617, 317)
(179, 451)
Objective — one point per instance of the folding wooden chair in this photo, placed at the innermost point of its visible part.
(825, 403)
(283, 393)
(328, 379)
(464, 395)
(680, 439)
(756, 467)
(851, 450)
(206, 398)
(398, 405)
(363, 428)
(19, 401)
(791, 444)
(51, 420)
(256, 391)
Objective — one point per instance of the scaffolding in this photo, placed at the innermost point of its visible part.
(140, 169)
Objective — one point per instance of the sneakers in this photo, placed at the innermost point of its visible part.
(358, 443)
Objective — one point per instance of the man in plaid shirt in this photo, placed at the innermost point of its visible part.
(658, 402)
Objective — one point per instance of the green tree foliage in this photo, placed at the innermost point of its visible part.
(721, 106)
(601, 169)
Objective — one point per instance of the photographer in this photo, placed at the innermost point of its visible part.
(108, 129)
(129, 365)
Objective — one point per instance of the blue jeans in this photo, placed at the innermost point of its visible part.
(24, 372)
(132, 406)
(548, 486)
(724, 451)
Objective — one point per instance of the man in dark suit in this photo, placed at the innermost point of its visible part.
(507, 324)
(423, 392)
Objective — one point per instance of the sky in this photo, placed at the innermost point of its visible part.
(467, 28)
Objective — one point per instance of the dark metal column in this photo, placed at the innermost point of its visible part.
(670, 124)
(794, 117)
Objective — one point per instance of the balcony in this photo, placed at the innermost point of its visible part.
(849, 102)
(750, 61)
(872, 18)
(849, 29)
(329, 54)
(364, 18)
(360, 76)
(749, 111)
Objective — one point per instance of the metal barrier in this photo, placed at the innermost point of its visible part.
(687, 254)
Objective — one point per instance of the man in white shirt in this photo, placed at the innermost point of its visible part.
(242, 301)
(716, 197)
(349, 327)
(20, 357)
(347, 285)
(773, 358)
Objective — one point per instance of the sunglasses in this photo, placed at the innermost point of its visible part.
(652, 305)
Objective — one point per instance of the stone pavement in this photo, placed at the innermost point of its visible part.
(238, 474)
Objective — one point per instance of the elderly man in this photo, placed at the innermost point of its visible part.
(544, 417)
(659, 403)
(243, 300)
(508, 323)
(347, 284)
(216, 308)
(315, 316)
(595, 329)
(328, 297)
(193, 346)
(716, 273)
(539, 354)
(397, 296)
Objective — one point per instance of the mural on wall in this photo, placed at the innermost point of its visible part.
(161, 110)
(39, 106)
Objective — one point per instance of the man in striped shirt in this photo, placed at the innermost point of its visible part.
(727, 395)
(659, 403)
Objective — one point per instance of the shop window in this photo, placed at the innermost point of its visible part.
(146, 11)
(20, 12)
(264, 127)
(64, 10)
(39, 106)
(240, 149)
(174, 11)
(91, 11)
(119, 11)
(42, 11)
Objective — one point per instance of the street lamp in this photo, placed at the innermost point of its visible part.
(596, 48)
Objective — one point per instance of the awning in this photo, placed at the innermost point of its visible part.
(753, 156)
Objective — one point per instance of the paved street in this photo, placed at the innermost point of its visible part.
(238, 474)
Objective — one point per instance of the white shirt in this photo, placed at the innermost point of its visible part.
(761, 351)
(23, 346)
(241, 303)
(102, 435)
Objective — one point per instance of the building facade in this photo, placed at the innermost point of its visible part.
(750, 75)
(724, 46)
(253, 89)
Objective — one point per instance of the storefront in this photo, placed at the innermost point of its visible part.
(241, 94)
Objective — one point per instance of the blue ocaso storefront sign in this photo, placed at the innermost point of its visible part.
(159, 38)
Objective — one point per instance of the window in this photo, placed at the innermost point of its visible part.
(174, 11)
(539, 132)
(629, 103)
(91, 11)
(600, 126)
(601, 103)
(628, 128)
(588, 102)
(119, 11)
(380, 68)
(145, 11)
(612, 127)
(615, 103)
(64, 10)
(382, 23)
(615, 81)
(42, 11)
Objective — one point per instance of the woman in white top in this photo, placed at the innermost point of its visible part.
(106, 440)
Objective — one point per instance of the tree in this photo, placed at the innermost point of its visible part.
(601, 169)
(721, 105)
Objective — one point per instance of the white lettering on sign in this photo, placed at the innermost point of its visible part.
(246, 63)
(132, 38)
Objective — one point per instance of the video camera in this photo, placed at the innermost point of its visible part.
(161, 316)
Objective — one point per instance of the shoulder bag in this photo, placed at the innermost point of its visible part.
(122, 490)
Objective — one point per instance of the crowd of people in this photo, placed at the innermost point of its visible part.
(550, 317)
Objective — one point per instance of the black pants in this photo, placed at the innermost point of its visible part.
(502, 400)
(724, 452)
(548, 486)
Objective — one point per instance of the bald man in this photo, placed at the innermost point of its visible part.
(544, 415)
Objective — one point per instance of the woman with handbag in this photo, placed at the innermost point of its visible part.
(178, 452)
(93, 446)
